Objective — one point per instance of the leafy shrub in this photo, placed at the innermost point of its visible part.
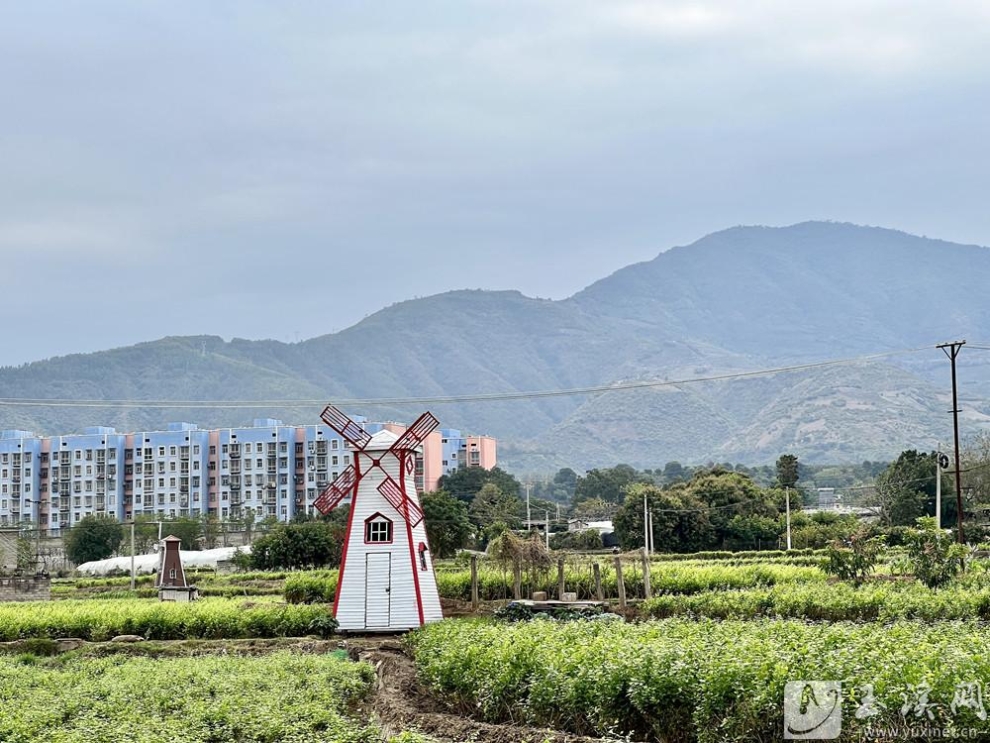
(854, 559)
(279, 697)
(936, 558)
(311, 588)
(209, 618)
(687, 680)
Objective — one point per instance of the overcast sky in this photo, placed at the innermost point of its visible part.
(187, 167)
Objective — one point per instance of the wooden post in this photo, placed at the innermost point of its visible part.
(474, 582)
(619, 583)
(516, 580)
(647, 592)
(596, 569)
(560, 578)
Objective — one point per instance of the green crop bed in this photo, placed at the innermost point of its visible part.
(281, 697)
(704, 681)
(208, 618)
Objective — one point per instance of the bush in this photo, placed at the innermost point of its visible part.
(298, 545)
(586, 540)
(855, 559)
(936, 558)
(311, 588)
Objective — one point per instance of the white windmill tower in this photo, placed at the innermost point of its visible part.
(386, 579)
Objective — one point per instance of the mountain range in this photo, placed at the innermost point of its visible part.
(743, 300)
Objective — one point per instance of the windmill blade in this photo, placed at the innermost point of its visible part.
(414, 514)
(391, 492)
(336, 491)
(401, 502)
(347, 428)
(416, 433)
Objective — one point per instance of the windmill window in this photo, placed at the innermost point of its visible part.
(378, 530)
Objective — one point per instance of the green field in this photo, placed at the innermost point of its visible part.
(693, 680)
(284, 697)
(100, 619)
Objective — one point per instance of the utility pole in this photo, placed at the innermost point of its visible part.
(133, 580)
(951, 350)
(939, 466)
(787, 496)
(529, 515)
(546, 519)
(646, 525)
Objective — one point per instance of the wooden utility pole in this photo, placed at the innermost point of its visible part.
(474, 582)
(598, 581)
(952, 351)
(619, 582)
(647, 589)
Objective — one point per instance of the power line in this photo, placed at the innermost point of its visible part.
(444, 399)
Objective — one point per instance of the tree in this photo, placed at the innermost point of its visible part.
(188, 529)
(93, 538)
(466, 482)
(675, 472)
(211, 530)
(306, 544)
(492, 507)
(680, 519)
(448, 526)
(594, 509)
(905, 491)
(787, 471)
(607, 484)
(727, 495)
(752, 532)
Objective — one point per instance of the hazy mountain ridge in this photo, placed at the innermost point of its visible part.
(740, 299)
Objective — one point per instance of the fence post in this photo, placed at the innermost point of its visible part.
(621, 585)
(474, 582)
(647, 592)
(560, 578)
(598, 581)
(516, 579)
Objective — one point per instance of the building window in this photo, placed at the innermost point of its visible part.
(378, 530)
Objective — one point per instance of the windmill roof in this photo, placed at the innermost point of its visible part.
(382, 440)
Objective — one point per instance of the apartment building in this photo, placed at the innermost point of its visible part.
(273, 469)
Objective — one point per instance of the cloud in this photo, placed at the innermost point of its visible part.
(240, 150)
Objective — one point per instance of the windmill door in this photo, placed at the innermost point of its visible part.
(378, 589)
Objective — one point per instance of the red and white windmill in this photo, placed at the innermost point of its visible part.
(386, 579)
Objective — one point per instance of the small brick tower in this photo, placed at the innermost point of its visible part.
(171, 582)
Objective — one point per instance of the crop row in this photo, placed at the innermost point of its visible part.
(832, 602)
(704, 681)
(209, 618)
(283, 697)
(497, 583)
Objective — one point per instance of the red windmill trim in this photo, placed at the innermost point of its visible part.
(412, 551)
(336, 491)
(347, 536)
(416, 433)
(339, 422)
(396, 495)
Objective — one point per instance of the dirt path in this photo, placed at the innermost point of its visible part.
(401, 703)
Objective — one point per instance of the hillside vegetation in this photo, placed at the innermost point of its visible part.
(738, 300)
